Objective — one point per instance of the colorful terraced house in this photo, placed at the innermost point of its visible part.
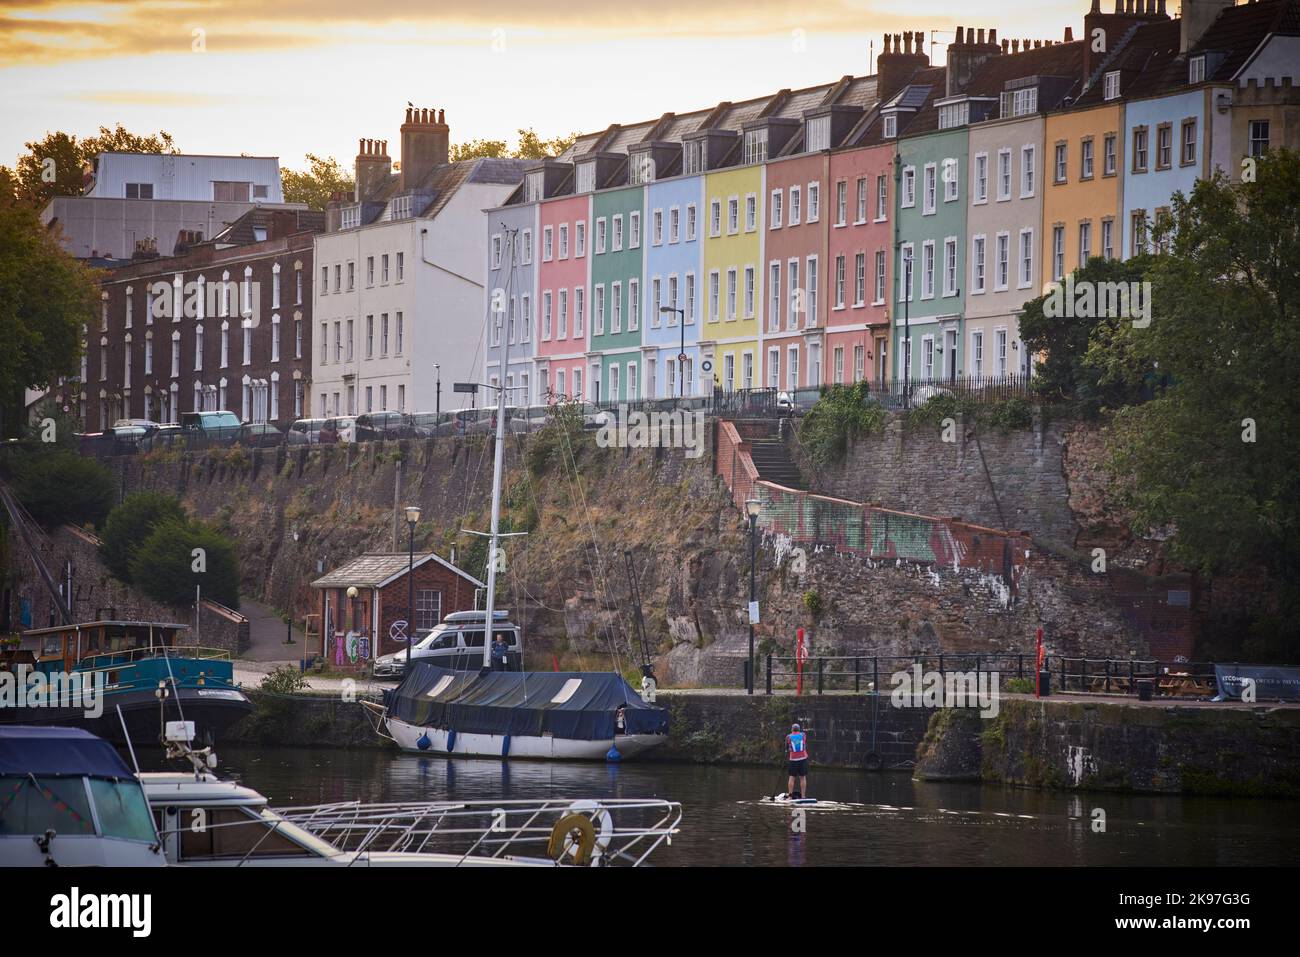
(880, 226)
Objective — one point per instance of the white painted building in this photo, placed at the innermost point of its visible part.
(400, 273)
(220, 179)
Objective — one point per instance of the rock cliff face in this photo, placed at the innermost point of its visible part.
(297, 512)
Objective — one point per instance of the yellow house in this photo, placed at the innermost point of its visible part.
(732, 276)
(1084, 169)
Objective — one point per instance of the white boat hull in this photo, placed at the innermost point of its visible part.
(545, 747)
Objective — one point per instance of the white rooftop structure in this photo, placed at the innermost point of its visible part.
(223, 179)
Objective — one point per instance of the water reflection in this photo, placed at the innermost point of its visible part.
(878, 818)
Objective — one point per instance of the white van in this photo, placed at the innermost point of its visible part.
(456, 643)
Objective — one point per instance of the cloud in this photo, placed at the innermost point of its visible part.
(33, 31)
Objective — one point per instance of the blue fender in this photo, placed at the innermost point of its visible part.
(505, 746)
(451, 741)
(613, 755)
(423, 742)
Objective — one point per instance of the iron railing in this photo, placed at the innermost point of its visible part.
(1115, 676)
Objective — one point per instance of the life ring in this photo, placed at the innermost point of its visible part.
(574, 836)
(576, 833)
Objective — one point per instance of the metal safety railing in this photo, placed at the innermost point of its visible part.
(1111, 676)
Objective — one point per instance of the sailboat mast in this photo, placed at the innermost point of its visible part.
(494, 541)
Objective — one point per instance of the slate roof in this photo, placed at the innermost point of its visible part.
(378, 568)
(1239, 30)
(240, 232)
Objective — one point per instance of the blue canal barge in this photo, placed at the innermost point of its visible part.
(100, 675)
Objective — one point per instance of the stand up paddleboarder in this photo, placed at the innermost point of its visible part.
(796, 746)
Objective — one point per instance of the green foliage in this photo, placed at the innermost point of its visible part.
(841, 414)
(1215, 456)
(71, 157)
(529, 146)
(812, 603)
(1067, 373)
(940, 406)
(46, 298)
(284, 679)
(1009, 414)
(61, 487)
(163, 564)
(554, 441)
(1020, 686)
(131, 523)
(323, 177)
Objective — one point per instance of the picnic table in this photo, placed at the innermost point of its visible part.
(1182, 684)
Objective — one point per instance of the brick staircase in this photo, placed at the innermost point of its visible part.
(772, 459)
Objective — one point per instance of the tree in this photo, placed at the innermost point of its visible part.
(131, 523)
(1065, 373)
(54, 166)
(530, 146)
(323, 178)
(1216, 455)
(60, 487)
(179, 556)
(47, 298)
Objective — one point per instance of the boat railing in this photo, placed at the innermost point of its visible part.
(126, 656)
(625, 830)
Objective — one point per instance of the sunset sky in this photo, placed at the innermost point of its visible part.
(287, 77)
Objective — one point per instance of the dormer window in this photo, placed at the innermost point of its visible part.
(1020, 102)
(533, 186)
(954, 114)
(349, 218)
(891, 126)
(819, 134)
(400, 208)
(1196, 69)
(755, 147)
(641, 168)
(586, 177)
(693, 157)
(1110, 89)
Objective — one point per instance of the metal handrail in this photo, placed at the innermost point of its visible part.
(133, 654)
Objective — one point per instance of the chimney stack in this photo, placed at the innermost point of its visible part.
(425, 145)
(896, 66)
(372, 169)
(1197, 15)
(965, 55)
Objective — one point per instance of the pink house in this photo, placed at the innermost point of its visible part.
(794, 284)
(860, 208)
(564, 254)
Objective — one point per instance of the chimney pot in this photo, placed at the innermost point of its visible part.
(981, 36)
(993, 36)
(1015, 46)
(920, 38)
(1069, 34)
(961, 35)
(441, 114)
(887, 50)
(1005, 45)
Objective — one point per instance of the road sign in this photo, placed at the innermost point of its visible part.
(397, 630)
(682, 357)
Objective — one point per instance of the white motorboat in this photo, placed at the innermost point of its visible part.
(68, 800)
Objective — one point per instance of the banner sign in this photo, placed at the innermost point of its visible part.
(1257, 683)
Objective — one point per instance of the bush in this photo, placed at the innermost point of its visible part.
(285, 679)
(553, 441)
(940, 406)
(131, 523)
(63, 488)
(841, 414)
(163, 564)
(1013, 413)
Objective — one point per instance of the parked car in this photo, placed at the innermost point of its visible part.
(260, 435)
(341, 428)
(204, 429)
(304, 432)
(163, 437)
(467, 422)
(378, 426)
(788, 403)
(425, 424)
(457, 644)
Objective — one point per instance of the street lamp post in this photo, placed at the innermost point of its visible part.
(907, 335)
(437, 401)
(412, 518)
(681, 356)
(752, 508)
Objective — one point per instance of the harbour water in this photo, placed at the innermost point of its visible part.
(878, 819)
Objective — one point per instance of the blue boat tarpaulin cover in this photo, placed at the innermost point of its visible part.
(1271, 682)
(523, 703)
(46, 752)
